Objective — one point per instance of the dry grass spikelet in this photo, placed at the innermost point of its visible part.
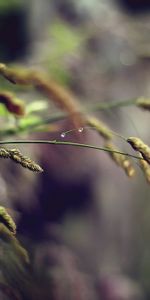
(145, 168)
(24, 161)
(15, 75)
(7, 236)
(121, 160)
(61, 97)
(7, 220)
(143, 103)
(12, 104)
(30, 164)
(4, 153)
(100, 127)
(138, 145)
(17, 157)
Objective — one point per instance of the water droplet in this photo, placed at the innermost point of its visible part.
(62, 134)
(80, 129)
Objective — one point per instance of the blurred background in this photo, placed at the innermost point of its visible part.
(82, 220)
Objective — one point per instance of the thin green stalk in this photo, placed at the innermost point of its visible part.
(89, 108)
(61, 115)
(65, 143)
(109, 105)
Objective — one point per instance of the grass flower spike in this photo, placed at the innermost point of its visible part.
(138, 145)
(100, 127)
(143, 103)
(146, 169)
(24, 161)
(12, 104)
(6, 219)
(18, 157)
(61, 97)
(121, 160)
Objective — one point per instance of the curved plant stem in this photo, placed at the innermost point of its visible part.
(110, 105)
(89, 108)
(61, 115)
(66, 143)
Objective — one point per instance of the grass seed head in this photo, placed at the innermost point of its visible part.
(145, 168)
(138, 145)
(4, 153)
(13, 105)
(100, 127)
(24, 161)
(121, 160)
(61, 97)
(6, 219)
(143, 103)
(31, 165)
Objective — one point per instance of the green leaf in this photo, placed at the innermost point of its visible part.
(3, 110)
(36, 106)
(28, 121)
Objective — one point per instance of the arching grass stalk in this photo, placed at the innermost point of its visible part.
(66, 143)
(88, 109)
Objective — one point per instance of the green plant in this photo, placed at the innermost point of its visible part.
(25, 118)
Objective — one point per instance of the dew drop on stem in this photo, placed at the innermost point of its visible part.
(62, 135)
(80, 129)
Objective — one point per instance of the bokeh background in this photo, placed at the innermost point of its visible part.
(83, 220)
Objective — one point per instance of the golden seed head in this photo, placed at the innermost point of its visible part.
(7, 220)
(2, 67)
(4, 153)
(13, 105)
(143, 103)
(121, 160)
(31, 165)
(14, 151)
(145, 168)
(127, 166)
(100, 127)
(135, 143)
(51, 89)
(18, 157)
(138, 145)
(131, 172)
